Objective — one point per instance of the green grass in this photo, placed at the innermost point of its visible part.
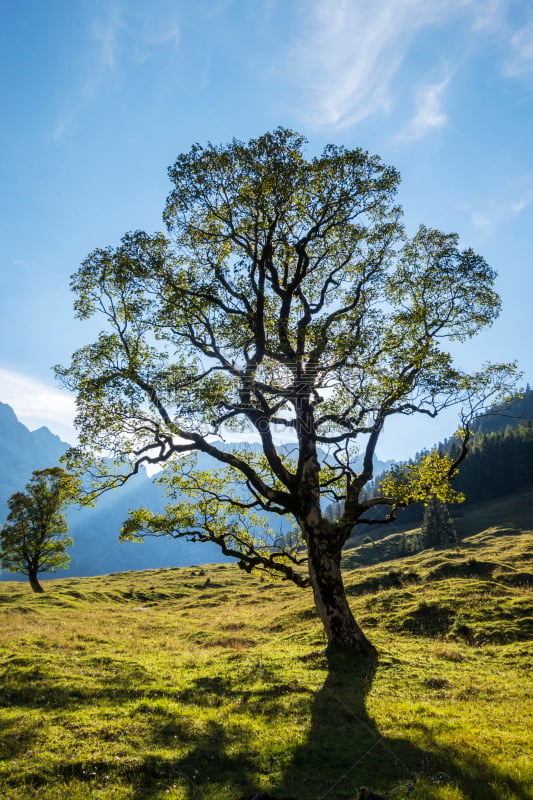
(205, 683)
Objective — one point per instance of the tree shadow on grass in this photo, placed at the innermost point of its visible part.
(198, 753)
(222, 761)
(33, 683)
(345, 751)
(219, 765)
(17, 733)
(343, 745)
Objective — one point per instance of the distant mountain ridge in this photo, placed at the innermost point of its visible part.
(96, 548)
(22, 451)
(95, 531)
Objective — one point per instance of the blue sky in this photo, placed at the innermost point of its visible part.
(99, 98)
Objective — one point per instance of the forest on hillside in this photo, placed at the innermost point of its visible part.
(498, 464)
(499, 461)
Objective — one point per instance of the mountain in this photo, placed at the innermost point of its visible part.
(96, 548)
(95, 531)
(22, 451)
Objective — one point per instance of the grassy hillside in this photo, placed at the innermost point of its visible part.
(511, 513)
(203, 683)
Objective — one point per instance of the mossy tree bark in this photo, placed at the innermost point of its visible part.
(341, 629)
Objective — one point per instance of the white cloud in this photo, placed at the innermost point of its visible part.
(351, 50)
(105, 33)
(429, 114)
(520, 60)
(515, 41)
(480, 220)
(143, 33)
(119, 33)
(349, 53)
(508, 204)
(489, 15)
(37, 403)
(102, 64)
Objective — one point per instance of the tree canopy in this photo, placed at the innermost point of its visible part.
(286, 301)
(32, 539)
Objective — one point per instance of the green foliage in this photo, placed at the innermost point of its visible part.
(422, 480)
(287, 277)
(33, 540)
(210, 507)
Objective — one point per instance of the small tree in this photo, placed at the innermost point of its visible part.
(33, 540)
(290, 300)
(438, 529)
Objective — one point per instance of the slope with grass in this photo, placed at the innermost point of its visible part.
(203, 683)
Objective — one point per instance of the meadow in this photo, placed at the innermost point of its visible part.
(205, 683)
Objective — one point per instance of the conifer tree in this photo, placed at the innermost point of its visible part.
(438, 529)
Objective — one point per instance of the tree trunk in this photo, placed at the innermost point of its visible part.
(34, 583)
(324, 547)
(342, 631)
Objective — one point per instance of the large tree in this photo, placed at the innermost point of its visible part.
(33, 538)
(287, 299)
